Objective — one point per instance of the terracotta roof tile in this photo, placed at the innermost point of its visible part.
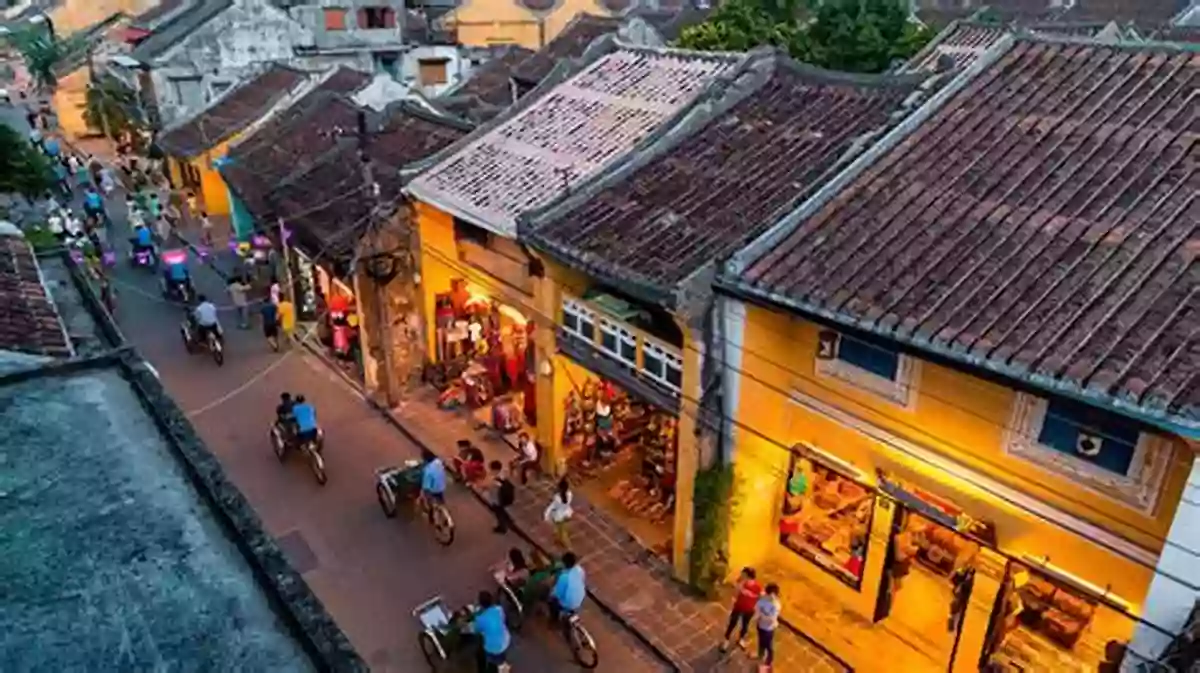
(570, 42)
(233, 113)
(568, 134)
(324, 196)
(958, 46)
(29, 320)
(292, 140)
(490, 83)
(721, 187)
(1043, 222)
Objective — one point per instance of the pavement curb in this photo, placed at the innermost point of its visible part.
(604, 606)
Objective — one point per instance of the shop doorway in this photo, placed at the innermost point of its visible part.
(929, 570)
(621, 452)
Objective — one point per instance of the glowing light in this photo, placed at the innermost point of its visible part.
(172, 257)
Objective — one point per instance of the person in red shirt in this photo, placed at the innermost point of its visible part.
(748, 590)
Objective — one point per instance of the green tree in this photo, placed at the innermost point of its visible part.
(23, 169)
(44, 54)
(849, 35)
(111, 107)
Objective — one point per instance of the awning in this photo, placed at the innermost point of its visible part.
(133, 35)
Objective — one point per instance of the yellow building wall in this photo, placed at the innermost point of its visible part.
(212, 193)
(70, 101)
(486, 22)
(959, 416)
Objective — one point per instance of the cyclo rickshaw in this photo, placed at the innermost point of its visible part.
(446, 635)
(394, 485)
(519, 601)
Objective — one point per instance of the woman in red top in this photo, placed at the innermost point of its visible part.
(748, 591)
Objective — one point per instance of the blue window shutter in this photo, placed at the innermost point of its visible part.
(1068, 426)
(879, 361)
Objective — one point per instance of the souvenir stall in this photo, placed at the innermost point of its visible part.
(826, 515)
(621, 450)
(483, 359)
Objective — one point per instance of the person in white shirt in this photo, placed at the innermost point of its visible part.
(527, 458)
(767, 612)
(55, 223)
(559, 512)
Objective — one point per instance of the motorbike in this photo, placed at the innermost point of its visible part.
(143, 258)
(213, 344)
(282, 439)
(178, 291)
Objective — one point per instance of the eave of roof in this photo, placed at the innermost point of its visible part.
(570, 42)
(1181, 422)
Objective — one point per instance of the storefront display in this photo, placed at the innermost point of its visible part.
(937, 509)
(482, 350)
(826, 518)
(1043, 623)
(626, 448)
(306, 288)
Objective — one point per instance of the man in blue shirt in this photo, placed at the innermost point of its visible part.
(433, 478)
(490, 626)
(93, 203)
(570, 588)
(177, 278)
(305, 416)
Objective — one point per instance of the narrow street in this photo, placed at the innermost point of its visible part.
(369, 571)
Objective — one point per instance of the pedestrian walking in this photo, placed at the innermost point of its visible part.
(287, 319)
(559, 512)
(270, 324)
(767, 611)
(162, 228)
(108, 183)
(239, 291)
(505, 494)
(206, 229)
(745, 602)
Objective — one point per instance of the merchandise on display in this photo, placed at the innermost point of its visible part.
(826, 519)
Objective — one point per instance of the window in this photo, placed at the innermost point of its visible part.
(579, 320)
(465, 231)
(873, 367)
(387, 62)
(618, 342)
(432, 71)
(374, 18)
(1091, 447)
(662, 365)
(826, 516)
(335, 18)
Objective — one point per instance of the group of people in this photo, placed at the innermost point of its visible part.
(296, 417)
(754, 602)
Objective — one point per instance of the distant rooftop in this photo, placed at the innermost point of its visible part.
(233, 112)
(176, 24)
(488, 88)
(568, 134)
(1144, 13)
(29, 319)
(957, 46)
(1043, 223)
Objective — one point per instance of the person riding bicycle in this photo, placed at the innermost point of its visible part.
(570, 589)
(177, 278)
(433, 478)
(204, 316)
(305, 418)
(142, 240)
(283, 413)
(489, 624)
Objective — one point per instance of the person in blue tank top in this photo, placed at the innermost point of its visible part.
(93, 203)
(305, 417)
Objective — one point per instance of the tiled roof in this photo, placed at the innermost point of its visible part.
(324, 195)
(488, 88)
(1149, 13)
(568, 134)
(1181, 34)
(233, 113)
(957, 46)
(154, 15)
(179, 26)
(570, 42)
(1142, 12)
(292, 140)
(1042, 223)
(29, 320)
(702, 199)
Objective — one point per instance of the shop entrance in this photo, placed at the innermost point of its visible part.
(621, 452)
(929, 570)
(483, 359)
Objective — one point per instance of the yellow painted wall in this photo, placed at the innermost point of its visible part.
(70, 101)
(213, 193)
(957, 415)
(485, 22)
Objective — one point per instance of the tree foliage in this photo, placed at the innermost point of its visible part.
(849, 35)
(111, 107)
(24, 169)
(44, 54)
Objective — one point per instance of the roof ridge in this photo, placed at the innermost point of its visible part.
(1022, 34)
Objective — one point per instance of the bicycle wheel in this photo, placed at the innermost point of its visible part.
(513, 612)
(443, 525)
(387, 500)
(318, 466)
(278, 444)
(432, 649)
(583, 648)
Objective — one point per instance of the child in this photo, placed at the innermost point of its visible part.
(767, 611)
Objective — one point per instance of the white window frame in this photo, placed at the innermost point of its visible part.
(902, 391)
(669, 357)
(622, 336)
(1139, 488)
(582, 314)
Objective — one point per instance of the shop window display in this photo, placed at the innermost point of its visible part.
(827, 518)
(1043, 623)
(483, 348)
(625, 448)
